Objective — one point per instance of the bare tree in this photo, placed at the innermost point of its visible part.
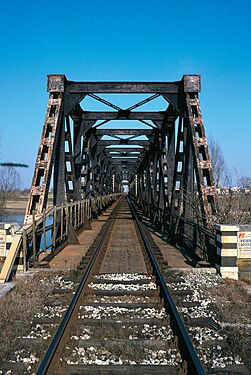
(9, 184)
(245, 182)
(218, 161)
(232, 209)
(232, 205)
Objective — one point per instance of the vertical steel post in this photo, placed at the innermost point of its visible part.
(34, 236)
(54, 227)
(44, 228)
(24, 250)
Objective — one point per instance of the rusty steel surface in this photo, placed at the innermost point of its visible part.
(45, 158)
(117, 323)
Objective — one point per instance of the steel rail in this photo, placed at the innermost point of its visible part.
(186, 347)
(44, 367)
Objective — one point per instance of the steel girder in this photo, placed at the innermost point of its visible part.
(166, 163)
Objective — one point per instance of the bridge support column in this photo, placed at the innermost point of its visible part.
(227, 250)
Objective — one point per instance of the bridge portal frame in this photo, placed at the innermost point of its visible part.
(174, 180)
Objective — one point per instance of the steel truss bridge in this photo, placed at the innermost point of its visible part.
(163, 157)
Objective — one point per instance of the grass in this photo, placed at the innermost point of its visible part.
(232, 304)
(17, 310)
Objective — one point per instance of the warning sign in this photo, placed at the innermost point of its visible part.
(244, 244)
(2, 242)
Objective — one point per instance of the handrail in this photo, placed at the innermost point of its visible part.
(186, 221)
(52, 229)
(165, 217)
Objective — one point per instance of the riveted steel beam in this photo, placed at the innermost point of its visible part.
(122, 87)
(123, 115)
(125, 149)
(135, 132)
(123, 142)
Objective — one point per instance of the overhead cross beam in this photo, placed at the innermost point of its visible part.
(122, 87)
(123, 115)
(124, 149)
(135, 132)
(123, 142)
(59, 83)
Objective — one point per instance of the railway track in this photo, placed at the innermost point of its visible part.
(122, 318)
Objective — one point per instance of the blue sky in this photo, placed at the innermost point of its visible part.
(125, 40)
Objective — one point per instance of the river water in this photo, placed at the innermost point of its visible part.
(11, 216)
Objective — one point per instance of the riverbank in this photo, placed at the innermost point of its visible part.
(19, 203)
(14, 209)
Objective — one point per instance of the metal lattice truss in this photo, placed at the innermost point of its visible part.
(166, 162)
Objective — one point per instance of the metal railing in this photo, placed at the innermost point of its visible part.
(54, 229)
(58, 223)
(198, 238)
